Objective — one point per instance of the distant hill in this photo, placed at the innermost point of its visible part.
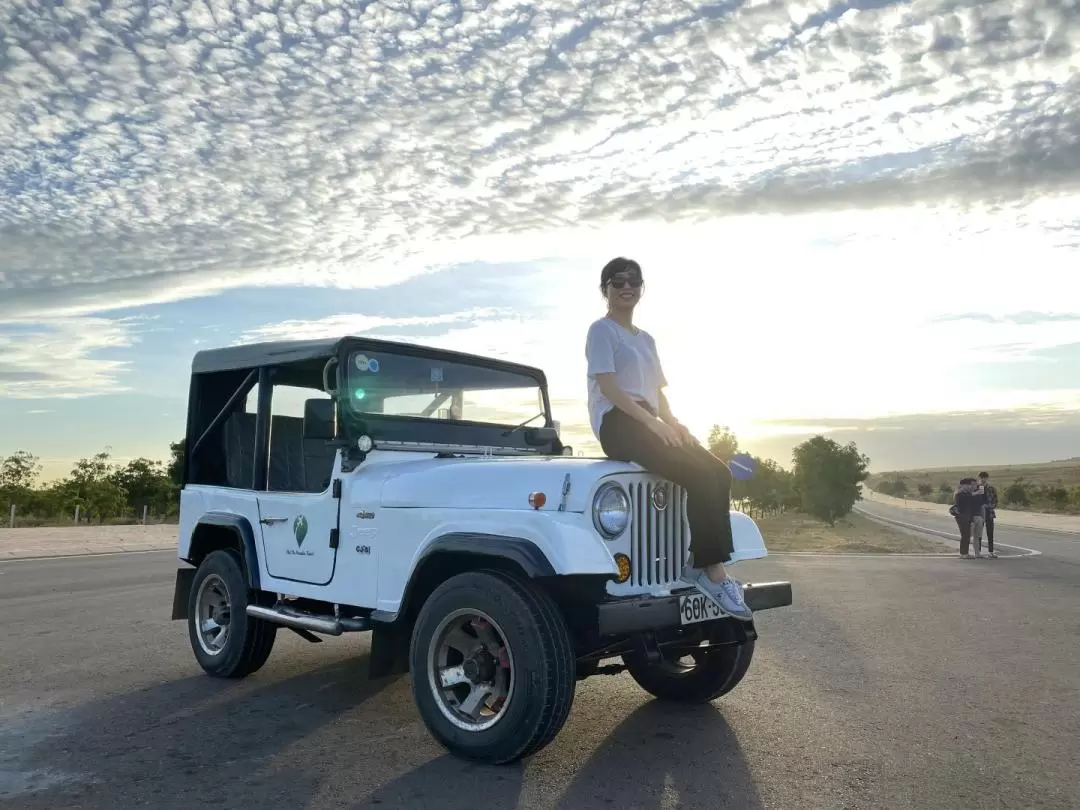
(1053, 486)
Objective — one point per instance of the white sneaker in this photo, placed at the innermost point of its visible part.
(726, 594)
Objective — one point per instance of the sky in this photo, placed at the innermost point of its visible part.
(858, 218)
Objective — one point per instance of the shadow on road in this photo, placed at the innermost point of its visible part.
(688, 751)
(449, 783)
(198, 741)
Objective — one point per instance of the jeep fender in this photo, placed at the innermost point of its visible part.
(537, 544)
(236, 525)
(567, 542)
(524, 553)
(390, 637)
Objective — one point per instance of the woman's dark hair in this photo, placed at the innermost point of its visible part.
(618, 265)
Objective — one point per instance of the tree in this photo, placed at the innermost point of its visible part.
(146, 483)
(19, 471)
(926, 490)
(722, 443)
(92, 486)
(897, 487)
(770, 489)
(100, 489)
(176, 461)
(827, 477)
(1016, 494)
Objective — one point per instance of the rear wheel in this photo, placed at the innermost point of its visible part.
(692, 676)
(492, 667)
(226, 641)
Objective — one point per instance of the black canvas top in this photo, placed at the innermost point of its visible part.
(256, 355)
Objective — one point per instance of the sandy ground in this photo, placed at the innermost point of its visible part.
(59, 541)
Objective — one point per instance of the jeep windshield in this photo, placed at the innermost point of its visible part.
(395, 395)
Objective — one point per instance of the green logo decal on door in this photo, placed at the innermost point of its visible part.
(299, 529)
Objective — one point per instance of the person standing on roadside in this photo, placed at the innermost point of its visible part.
(978, 517)
(963, 509)
(989, 511)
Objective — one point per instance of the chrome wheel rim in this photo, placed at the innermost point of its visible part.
(213, 615)
(471, 670)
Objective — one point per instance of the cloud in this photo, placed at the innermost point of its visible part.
(172, 150)
(387, 328)
(1013, 318)
(1062, 413)
(62, 358)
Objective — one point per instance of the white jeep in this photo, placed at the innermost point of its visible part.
(356, 485)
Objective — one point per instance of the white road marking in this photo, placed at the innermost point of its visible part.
(857, 555)
(46, 557)
(1030, 552)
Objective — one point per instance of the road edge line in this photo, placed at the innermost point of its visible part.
(43, 557)
(938, 533)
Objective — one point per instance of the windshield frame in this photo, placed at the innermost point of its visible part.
(408, 428)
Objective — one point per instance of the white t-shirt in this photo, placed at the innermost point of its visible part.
(632, 357)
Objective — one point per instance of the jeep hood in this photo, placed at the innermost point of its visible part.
(488, 483)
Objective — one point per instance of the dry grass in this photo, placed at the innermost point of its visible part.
(853, 534)
(1057, 473)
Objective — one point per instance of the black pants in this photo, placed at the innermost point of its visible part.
(963, 522)
(989, 532)
(706, 478)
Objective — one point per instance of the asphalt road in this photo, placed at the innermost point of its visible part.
(892, 682)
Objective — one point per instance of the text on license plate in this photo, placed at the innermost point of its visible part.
(696, 607)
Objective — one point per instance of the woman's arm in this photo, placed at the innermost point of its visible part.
(600, 356)
(620, 399)
(624, 402)
(669, 417)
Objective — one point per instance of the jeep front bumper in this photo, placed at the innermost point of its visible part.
(636, 614)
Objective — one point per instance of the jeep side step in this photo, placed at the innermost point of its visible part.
(302, 620)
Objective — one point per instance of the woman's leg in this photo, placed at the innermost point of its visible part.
(707, 481)
(976, 534)
(965, 534)
(708, 504)
(706, 478)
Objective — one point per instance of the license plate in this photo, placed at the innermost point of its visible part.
(696, 607)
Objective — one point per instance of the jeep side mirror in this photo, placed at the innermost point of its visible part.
(320, 419)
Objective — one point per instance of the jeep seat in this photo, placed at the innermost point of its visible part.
(238, 438)
(297, 464)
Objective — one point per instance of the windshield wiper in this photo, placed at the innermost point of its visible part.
(523, 424)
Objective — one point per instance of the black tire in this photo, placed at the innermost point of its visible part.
(714, 673)
(249, 640)
(530, 626)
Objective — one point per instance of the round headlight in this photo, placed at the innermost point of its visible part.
(611, 510)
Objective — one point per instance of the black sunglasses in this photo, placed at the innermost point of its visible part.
(619, 283)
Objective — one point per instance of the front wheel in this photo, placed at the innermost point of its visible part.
(492, 667)
(226, 641)
(692, 676)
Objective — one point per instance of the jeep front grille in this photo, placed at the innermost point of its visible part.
(659, 539)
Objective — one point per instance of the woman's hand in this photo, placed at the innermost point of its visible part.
(687, 437)
(666, 432)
